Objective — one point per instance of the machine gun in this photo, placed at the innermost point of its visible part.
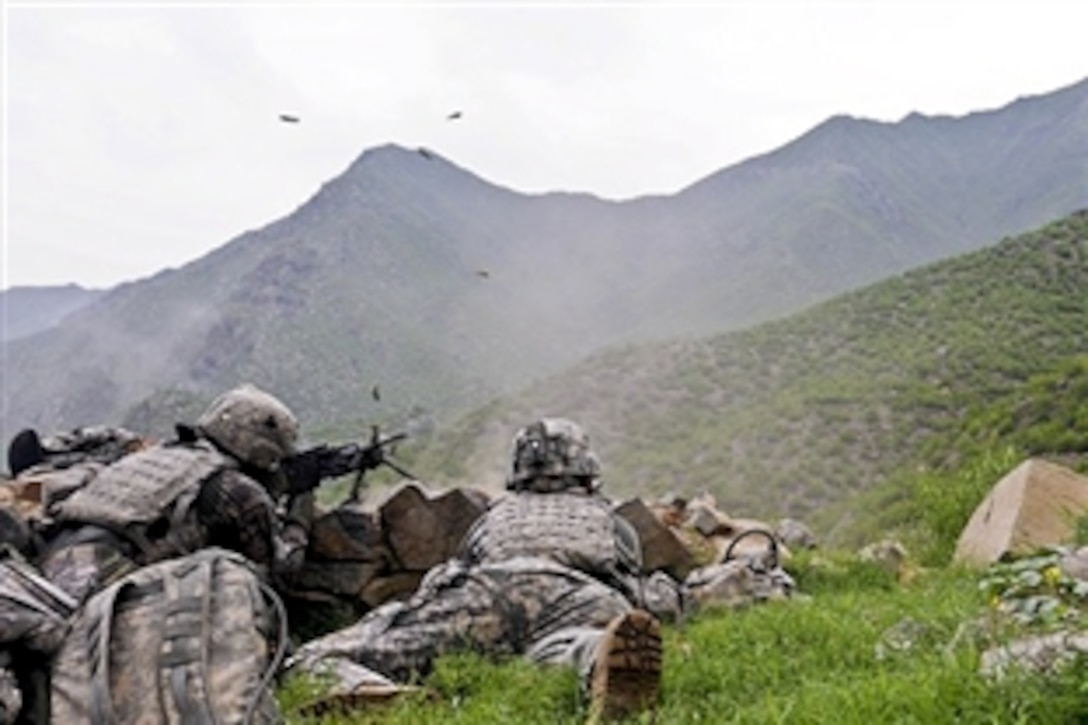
(306, 469)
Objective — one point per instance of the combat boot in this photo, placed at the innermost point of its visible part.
(626, 674)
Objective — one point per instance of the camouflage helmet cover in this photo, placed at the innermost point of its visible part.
(251, 425)
(553, 454)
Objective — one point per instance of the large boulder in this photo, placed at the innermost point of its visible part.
(1034, 506)
(423, 530)
(661, 549)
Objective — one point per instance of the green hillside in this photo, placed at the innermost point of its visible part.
(413, 274)
(794, 416)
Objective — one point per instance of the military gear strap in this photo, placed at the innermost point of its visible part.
(185, 651)
(101, 610)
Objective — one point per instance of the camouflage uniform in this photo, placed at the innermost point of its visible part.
(193, 639)
(46, 470)
(175, 498)
(33, 623)
(11, 698)
(501, 598)
(225, 508)
(541, 574)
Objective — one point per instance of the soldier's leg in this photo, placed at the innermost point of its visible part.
(615, 648)
(567, 612)
(619, 666)
(453, 610)
(573, 646)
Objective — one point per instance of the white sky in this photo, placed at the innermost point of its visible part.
(139, 136)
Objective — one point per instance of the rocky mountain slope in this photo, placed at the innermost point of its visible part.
(412, 276)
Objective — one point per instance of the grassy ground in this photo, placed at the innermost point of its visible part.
(858, 647)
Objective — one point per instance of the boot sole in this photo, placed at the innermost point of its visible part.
(627, 674)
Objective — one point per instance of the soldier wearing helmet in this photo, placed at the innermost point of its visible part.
(552, 455)
(212, 486)
(549, 572)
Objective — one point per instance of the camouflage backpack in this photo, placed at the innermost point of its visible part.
(33, 612)
(34, 617)
(195, 639)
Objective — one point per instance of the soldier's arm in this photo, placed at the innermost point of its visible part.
(239, 515)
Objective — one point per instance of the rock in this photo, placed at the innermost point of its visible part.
(889, 554)
(1039, 654)
(795, 535)
(346, 579)
(1032, 507)
(705, 520)
(661, 549)
(347, 533)
(382, 589)
(1075, 564)
(422, 531)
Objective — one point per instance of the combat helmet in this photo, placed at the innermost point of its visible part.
(551, 455)
(251, 425)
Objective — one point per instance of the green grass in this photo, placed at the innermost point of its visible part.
(831, 656)
(879, 427)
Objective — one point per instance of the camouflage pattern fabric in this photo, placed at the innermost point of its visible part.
(140, 487)
(195, 639)
(523, 606)
(231, 511)
(11, 699)
(553, 455)
(576, 530)
(97, 443)
(34, 619)
(235, 512)
(56, 484)
(579, 530)
(81, 569)
(33, 613)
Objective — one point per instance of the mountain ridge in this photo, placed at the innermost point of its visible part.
(445, 289)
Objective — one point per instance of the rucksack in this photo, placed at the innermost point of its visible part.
(34, 613)
(34, 619)
(195, 639)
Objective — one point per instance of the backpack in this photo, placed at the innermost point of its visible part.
(34, 619)
(197, 639)
(33, 611)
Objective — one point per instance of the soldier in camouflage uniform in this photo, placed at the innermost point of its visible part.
(210, 487)
(549, 572)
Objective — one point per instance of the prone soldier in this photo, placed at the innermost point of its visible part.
(549, 572)
(212, 486)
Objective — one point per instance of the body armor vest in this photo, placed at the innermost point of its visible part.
(144, 486)
(575, 530)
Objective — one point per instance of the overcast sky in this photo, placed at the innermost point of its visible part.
(139, 136)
